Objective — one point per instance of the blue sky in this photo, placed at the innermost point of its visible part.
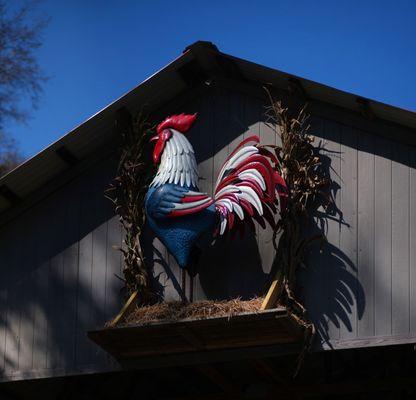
(96, 50)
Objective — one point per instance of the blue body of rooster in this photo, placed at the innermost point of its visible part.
(181, 216)
(179, 235)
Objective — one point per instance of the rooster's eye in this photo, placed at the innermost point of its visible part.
(166, 134)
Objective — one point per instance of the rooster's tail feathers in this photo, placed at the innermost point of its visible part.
(247, 186)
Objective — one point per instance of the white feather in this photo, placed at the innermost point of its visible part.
(238, 210)
(184, 142)
(226, 203)
(247, 193)
(178, 163)
(177, 176)
(227, 189)
(173, 146)
(183, 162)
(237, 158)
(253, 174)
(169, 164)
(175, 161)
(223, 224)
(186, 163)
(171, 173)
(241, 155)
(188, 178)
(168, 151)
(178, 143)
(193, 193)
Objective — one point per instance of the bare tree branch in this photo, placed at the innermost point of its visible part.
(20, 73)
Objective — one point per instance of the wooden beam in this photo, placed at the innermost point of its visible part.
(67, 156)
(215, 376)
(213, 396)
(344, 388)
(375, 341)
(267, 371)
(198, 357)
(296, 86)
(191, 337)
(272, 295)
(365, 108)
(126, 308)
(9, 195)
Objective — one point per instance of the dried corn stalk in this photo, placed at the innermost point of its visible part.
(127, 191)
(300, 165)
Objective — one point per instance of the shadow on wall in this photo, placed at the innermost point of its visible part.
(57, 277)
(328, 283)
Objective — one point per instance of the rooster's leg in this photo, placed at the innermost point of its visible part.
(184, 298)
(191, 288)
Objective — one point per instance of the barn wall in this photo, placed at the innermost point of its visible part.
(58, 280)
(362, 284)
(58, 265)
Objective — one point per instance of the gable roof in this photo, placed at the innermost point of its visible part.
(199, 63)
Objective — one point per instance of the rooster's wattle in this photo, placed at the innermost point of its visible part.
(180, 215)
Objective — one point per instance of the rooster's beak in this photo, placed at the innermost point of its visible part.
(154, 138)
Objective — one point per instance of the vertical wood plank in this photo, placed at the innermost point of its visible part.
(5, 257)
(84, 300)
(241, 110)
(3, 327)
(113, 284)
(26, 297)
(400, 239)
(43, 243)
(14, 283)
(366, 231)
(98, 276)
(55, 312)
(102, 211)
(349, 236)
(243, 122)
(223, 129)
(412, 220)
(40, 328)
(203, 143)
(332, 158)
(70, 275)
(382, 237)
(261, 250)
(265, 236)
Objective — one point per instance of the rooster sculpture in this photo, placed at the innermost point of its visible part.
(247, 189)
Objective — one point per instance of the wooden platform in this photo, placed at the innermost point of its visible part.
(190, 336)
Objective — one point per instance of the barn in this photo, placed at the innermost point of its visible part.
(60, 273)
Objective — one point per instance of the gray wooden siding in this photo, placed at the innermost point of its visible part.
(57, 280)
(360, 285)
(58, 262)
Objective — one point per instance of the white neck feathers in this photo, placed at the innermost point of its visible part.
(178, 163)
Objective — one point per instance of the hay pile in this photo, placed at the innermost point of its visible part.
(176, 310)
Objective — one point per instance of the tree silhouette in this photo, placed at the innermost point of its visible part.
(10, 155)
(20, 74)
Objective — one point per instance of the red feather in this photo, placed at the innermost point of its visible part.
(250, 139)
(191, 199)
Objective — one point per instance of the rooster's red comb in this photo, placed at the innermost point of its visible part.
(181, 122)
